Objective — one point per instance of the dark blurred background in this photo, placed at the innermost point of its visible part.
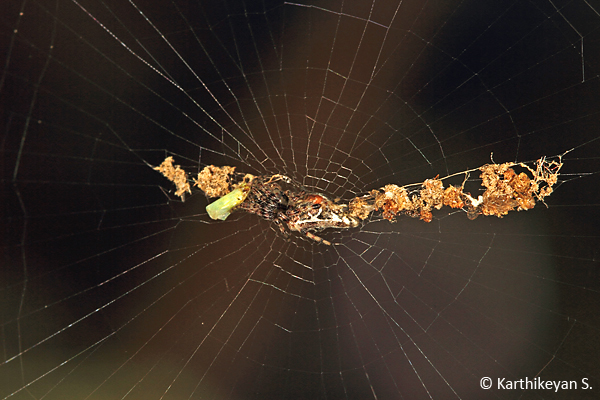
(111, 287)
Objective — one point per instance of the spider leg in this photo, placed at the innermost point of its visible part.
(279, 223)
(317, 238)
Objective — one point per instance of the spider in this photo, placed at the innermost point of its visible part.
(297, 211)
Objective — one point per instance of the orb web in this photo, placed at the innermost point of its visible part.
(112, 287)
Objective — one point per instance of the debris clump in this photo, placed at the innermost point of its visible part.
(175, 174)
(505, 190)
(215, 181)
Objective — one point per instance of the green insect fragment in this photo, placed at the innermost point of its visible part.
(221, 208)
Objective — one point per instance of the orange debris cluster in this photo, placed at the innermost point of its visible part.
(505, 190)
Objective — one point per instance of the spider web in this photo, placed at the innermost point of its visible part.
(112, 288)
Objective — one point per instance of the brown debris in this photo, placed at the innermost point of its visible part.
(453, 197)
(393, 200)
(432, 193)
(505, 191)
(360, 208)
(214, 181)
(432, 196)
(175, 174)
(500, 196)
